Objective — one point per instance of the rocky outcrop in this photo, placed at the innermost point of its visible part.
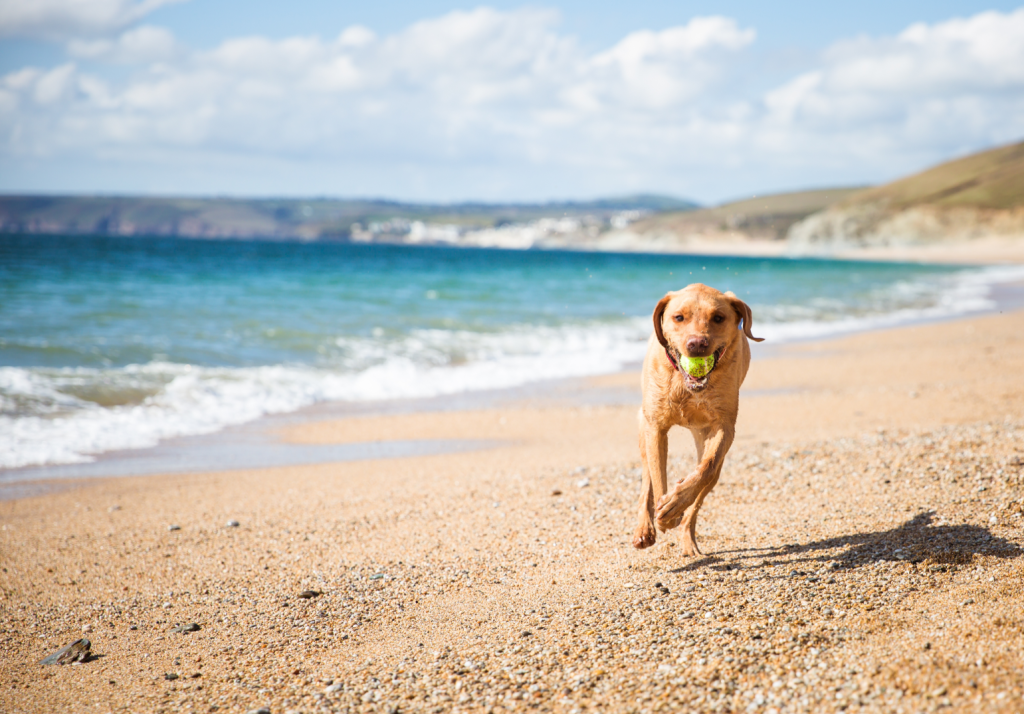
(872, 226)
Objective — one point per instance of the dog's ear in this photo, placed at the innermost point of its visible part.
(743, 310)
(659, 313)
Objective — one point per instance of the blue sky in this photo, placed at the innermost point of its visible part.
(435, 101)
(800, 25)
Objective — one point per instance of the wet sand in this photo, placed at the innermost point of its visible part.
(863, 553)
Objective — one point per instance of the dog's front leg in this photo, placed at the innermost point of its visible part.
(653, 463)
(672, 506)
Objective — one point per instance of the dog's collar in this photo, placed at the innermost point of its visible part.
(672, 360)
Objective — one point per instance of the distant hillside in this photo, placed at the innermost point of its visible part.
(760, 217)
(992, 179)
(303, 219)
(978, 196)
(752, 226)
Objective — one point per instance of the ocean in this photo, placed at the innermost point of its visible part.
(111, 343)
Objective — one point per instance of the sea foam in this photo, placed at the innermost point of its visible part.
(70, 415)
(200, 400)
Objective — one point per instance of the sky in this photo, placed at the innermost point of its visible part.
(440, 102)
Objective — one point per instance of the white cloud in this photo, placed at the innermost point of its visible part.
(659, 69)
(502, 104)
(936, 71)
(882, 107)
(141, 45)
(55, 85)
(70, 19)
(462, 79)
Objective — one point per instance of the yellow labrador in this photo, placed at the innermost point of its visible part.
(695, 322)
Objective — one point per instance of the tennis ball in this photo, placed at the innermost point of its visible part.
(697, 367)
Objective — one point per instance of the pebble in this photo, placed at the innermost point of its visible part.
(173, 528)
(309, 594)
(77, 651)
(186, 628)
(232, 524)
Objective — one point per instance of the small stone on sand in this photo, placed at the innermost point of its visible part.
(77, 651)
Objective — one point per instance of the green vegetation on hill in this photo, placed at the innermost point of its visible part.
(991, 179)
(765, 217)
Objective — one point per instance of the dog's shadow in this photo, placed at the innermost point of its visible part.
(916, 541)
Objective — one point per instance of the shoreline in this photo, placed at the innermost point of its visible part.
(981, 252)
(993, 250)
(188, 452)
(984, 251)
(185, 454)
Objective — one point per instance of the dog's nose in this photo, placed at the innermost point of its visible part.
(698, 346)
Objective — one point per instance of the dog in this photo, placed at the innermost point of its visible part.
(696, 321)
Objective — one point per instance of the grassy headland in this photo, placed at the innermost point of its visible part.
(991, 179)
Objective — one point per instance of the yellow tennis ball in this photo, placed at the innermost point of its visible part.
(697, 367)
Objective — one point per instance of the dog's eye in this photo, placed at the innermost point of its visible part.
(719, 318)
(678, 318)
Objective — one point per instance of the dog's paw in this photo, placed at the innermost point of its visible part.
(690, 547)
(690, 536)
(644, 537)
(667, 524)
(672, 506)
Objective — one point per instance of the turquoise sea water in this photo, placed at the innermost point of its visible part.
(112, 343)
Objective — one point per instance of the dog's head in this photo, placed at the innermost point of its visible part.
(699, 321)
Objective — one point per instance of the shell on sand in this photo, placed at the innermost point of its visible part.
(77, 651)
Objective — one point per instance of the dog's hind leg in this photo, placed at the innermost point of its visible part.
(712, 446)
(689, 522)
(653, 458)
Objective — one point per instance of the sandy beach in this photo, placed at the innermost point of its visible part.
(988, 250)
(863, 553)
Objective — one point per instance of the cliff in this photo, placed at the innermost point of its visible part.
(976, 198)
